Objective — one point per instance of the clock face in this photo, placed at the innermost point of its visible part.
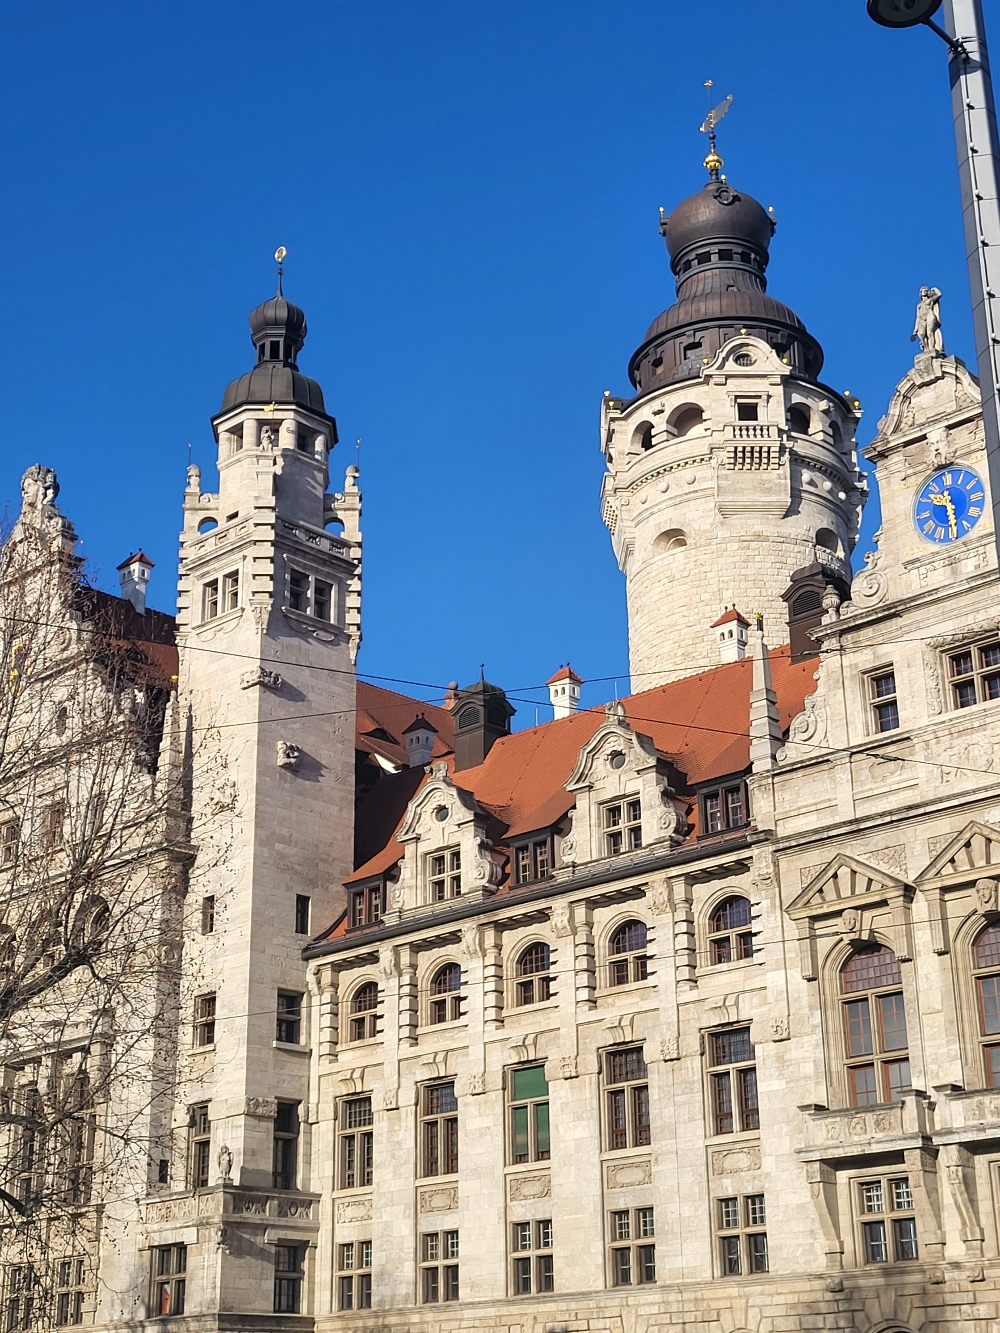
(949, 505)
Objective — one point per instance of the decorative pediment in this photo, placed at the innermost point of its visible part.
(615, 738)
(973, 852)
(731, 359)
(438, 793)
(934, 388)
(847, 881)
(858, 893)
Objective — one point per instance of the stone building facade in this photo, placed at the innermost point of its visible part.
(681, 1013)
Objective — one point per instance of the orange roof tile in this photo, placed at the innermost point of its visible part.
(731, 614)
(384, 711)
(565, 673)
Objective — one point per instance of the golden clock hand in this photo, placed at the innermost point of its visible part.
(944, 498)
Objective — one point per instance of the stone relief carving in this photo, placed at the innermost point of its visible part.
(780, 1030)
(354, 1210)
(620, 1029)
(390, 1099)
(627, 1175)
(935, 701)
(568, 1066)
(442, 1200)
(530, 1187)
(225, 1160)
(288, 754)
(476, 1085)
(562, 922)
(870, 585)
(963, 760)
(270, 680)
(809, 725)
(525, 1049)
(658, 897)
(730, 1160)
(262, 1106)
(260, 612)
(892, 859)
(986, 894)
(39, 487)
(670, 1047)
(472, 942)
(388, 961)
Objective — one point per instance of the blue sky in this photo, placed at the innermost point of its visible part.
(469, 198)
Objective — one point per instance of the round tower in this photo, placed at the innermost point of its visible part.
(732, 478)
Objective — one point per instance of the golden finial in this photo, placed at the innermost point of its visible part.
(279, 256)
(713, 162)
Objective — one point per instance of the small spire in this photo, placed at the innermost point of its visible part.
(279, 255)
(713, 162)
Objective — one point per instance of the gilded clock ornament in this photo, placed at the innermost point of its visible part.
(949, 505)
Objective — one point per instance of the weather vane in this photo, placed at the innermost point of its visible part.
(279, 255)
(713, 163)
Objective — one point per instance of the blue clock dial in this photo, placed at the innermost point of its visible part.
(949, 505)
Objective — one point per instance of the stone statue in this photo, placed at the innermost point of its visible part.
(226, 1162)
(288, 755)
(266, 437)
(927, 329)
(39, 487)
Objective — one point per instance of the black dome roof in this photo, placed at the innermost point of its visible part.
(718, 241)
(277, 313)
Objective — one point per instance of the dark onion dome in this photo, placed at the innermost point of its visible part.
(277, 329)
(718, 241)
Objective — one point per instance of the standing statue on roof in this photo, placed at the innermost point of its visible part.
(928, 326)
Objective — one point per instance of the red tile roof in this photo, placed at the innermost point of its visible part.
(383, 718)
(731, 614)
(701, 723)
(565, 673)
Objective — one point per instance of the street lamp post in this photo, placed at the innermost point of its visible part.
(976, 144)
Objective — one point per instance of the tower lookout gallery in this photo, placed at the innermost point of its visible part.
(680, 1012)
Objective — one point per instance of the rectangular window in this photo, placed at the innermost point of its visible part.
(10, 833)
(322, 600)
(734, 1104)
(882, 698)
(22, 1298)
(53, 824)
(742, 1240)
(210, 600)
(531, 1265)
(975, 675)
(529, 1115)
(634, 1263)
(288, 1278)
(365, 906)
(204, 1020)
(747, 410)
(354, 1275)
(438, 1266)
(532, 861)
(622, 827)
(302, 902)
(230, 591)
(200, 1146)
(439, 1129)
(888, 1228)
(208, 915)
(169, 1277)
(286, 1146)
(724, 808)
(628, 1123)
(289, 1020)
(444, 875)
(298, 591)
(71, 1278)
(356, 1142)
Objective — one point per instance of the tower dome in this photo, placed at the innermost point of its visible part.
(718, 241)
(277, 330)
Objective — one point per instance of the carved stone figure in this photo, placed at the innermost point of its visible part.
(266, 438)
(927, 329)
(39, 486)
(260, 676)
(288, 755)
(225, 1162)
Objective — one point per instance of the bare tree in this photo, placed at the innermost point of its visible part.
(95, 855)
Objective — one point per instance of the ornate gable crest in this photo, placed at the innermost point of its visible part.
(438, 791)
(967, 856)
(858, 893)
(613, 738)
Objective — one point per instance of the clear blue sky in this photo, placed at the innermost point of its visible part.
(469, 195)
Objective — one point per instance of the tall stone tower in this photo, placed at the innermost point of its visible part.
(732, 476)
(268, 629)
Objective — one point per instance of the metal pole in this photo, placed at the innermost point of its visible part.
(976, 142)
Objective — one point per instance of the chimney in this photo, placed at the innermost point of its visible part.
(733, 631)
(564, 692)
(765, 727)
(420, 736)
(134, 576)
(482, 715)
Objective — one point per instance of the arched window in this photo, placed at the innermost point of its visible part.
(828, 540)
(878, 1067)
(729, 935)
(687, 420)
(446, 1000)
(627, 948)
(986, 962)
(799, 419)
(364, 1012)
(674, 539)
(533, 981)
(643, 435)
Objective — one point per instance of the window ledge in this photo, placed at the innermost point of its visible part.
(368, 1041)
(626, 988)
(711, 969)
(208, 1049)
(225, 618)
(313, 622)
(293, 1047)
(425, 1028)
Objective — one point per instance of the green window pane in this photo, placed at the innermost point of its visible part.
(542, 1128)
(519, 1121)
(530, 1083)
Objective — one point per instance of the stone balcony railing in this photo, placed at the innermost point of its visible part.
(223, 1202)
(853, 1130)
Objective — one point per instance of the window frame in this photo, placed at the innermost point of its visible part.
(897, 1225)
(531, 861)
(631, 1246)
(288, 1017)
(208, 914)
(732, 1084)
(354, 1275)
(626, 1101)
(443, 883)
(206, 1015)
(362, 1023)
(738, 1252)
(289, 1278)
(434, 1273)
(355, 1163)
(536, 1133)
(70, 1289)
(445, 1004)
(199, 1155)
(880, 1058)
(364, 906)
(631, 965)
(988, 1043)
(168, 1265)
(736, 939)
(733, 806)
(535, 986)
(303, 911)
(314, 595)
(438, 1127)
(531, 1269)
(882, 708)
(976, 676)
(285, 1149)
(625, 835)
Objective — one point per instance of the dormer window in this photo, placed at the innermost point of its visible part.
(724, 809)
(365, 906)
(444, 875)
(532, 861)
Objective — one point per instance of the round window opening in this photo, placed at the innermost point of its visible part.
(441, 813)
(617, 759)
(744, 359)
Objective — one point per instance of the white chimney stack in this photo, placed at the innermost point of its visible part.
(134, 576)
(733, 631)
(419, 739)
(564, 692)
